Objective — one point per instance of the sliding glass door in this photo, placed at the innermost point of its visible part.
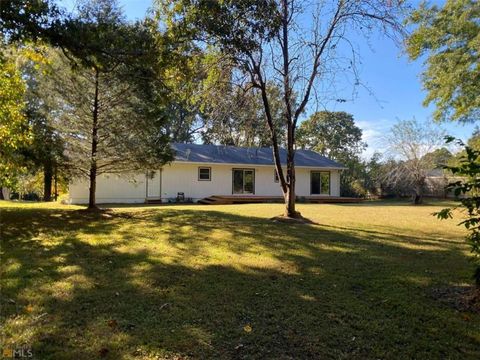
(320, 183)
(243, 181)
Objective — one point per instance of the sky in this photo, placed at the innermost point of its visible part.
(393, 81)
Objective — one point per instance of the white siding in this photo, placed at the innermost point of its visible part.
(183, 177)
(111, 188)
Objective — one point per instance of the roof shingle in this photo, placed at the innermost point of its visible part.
(221, 154)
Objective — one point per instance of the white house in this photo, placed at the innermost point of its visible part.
(200, 171)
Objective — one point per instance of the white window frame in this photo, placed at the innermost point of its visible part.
(200, 168)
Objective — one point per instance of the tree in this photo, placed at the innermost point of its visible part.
(45, 152)
(203, 103)
(268, 43)
(106, 105)
(448, 36)
(410, 141)
(183, 77)
(233, 115)
(14, 128)
(22, 20)
(373, 169)
(474, 140)
(439, 158)
(332, 134)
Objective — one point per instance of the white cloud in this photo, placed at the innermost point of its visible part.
(373, 132)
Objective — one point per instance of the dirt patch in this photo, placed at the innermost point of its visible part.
(299, 219)
(462, 298)
(104, 213)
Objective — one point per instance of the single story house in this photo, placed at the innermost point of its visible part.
(200, 171)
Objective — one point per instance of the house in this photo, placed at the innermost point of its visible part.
(436, 182)
(200, 171)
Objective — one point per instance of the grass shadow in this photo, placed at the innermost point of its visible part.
(173, 283)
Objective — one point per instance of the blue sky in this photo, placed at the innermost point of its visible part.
(393, 79)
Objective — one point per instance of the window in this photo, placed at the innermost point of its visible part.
(243, 181)
(320, 183)
(275, 176)
(325, 183)
(204, 174)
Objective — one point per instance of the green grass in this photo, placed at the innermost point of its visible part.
(190, 281)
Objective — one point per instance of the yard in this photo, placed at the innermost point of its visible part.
(375, 280)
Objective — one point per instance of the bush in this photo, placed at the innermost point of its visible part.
(468, 171)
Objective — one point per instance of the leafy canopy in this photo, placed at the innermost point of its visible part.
(333, 134)
(450, 38)
(14, 128)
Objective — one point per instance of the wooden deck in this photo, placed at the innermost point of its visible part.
(248, 199)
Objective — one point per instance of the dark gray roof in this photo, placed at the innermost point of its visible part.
(436, 173)
(242, 155)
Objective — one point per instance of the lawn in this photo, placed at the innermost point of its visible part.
(371, 281)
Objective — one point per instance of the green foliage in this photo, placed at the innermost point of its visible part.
(234, 115)
(234, 26)
(45, 153)
(332, 134)
(14, 128)
(449, 36)
(183, 77)
(473, 142)
(468, 189)
(22, 20)
(438, 158)
(129, 134)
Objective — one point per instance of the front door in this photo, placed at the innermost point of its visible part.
(154, 181)
(243, 181)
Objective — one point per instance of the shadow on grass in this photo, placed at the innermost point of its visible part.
(332, 292)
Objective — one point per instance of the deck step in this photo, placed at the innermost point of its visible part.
(153, 201)
(207, 201)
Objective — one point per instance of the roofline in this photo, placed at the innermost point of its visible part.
(255, 165)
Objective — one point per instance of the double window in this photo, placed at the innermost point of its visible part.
(243, 181)
(320, 183)
(204, 174)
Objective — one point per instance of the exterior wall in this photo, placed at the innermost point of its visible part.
(302, 186)
(111, 188)
(183, 177)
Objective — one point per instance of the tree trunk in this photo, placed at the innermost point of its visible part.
(93, 187)
(290, 202)
(1, 193)
(417, 198)
(289, 195)
(47, 181)
(56, 183)
(93, 158)
(418, 195)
